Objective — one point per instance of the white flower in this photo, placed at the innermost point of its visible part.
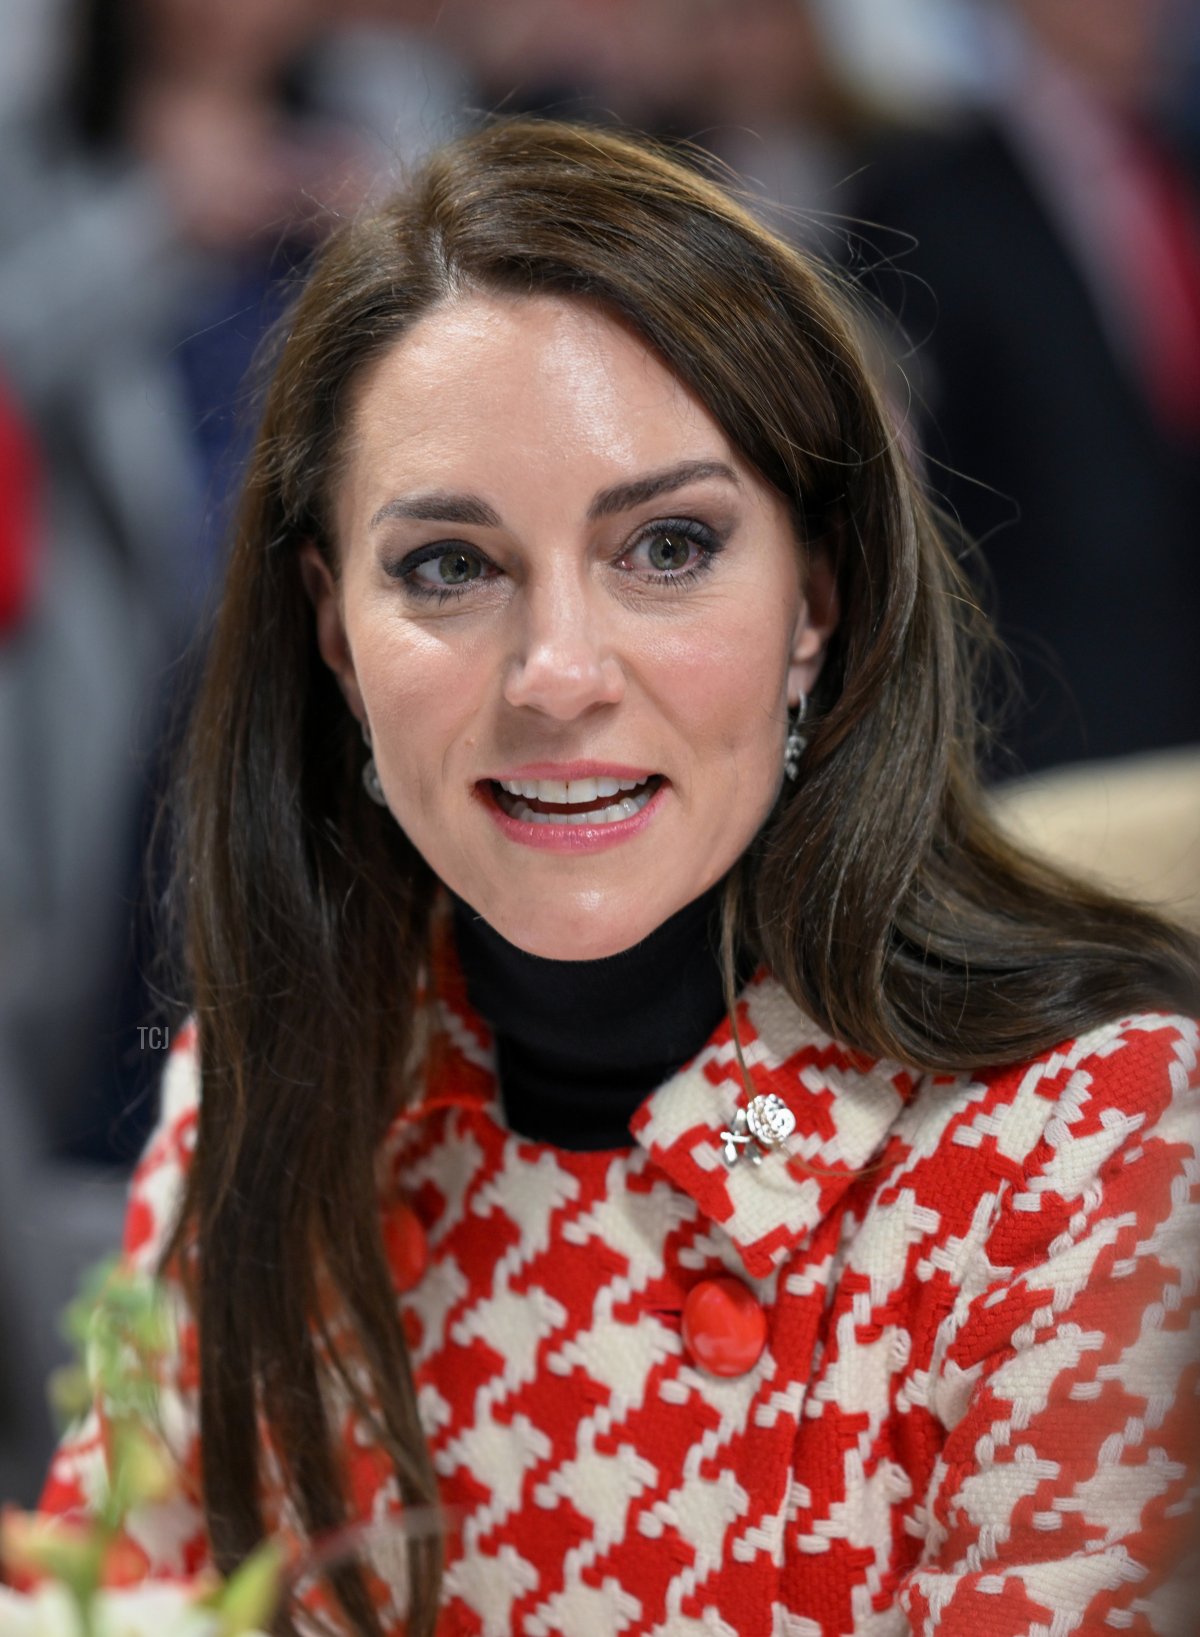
(145, 1611)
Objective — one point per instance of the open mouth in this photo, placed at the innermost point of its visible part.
(605, 808)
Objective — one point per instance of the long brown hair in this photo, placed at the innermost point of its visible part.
(878, 892)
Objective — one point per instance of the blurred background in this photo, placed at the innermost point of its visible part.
(1010, 190)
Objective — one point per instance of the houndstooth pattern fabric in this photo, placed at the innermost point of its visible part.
(976, 1412)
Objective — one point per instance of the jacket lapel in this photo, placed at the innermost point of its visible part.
(843, 1102)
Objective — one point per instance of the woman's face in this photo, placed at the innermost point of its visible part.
(550, 556)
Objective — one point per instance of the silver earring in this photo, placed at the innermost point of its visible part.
(370, 773)
(371, 784)
(796, 740)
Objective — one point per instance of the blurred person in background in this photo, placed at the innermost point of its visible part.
(1042, 259)
(783, 114)
(180, 164)
(265, 122)
(752, 81)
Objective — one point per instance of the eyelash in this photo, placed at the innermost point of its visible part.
(699, 534)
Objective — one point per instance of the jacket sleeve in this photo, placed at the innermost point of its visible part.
(1066, 1375)
(166, 1538)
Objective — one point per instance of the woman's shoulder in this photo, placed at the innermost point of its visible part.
(1058, 1121)
(1138, 1064)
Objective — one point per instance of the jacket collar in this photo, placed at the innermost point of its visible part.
(844, 1104)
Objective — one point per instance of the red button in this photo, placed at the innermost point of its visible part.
(724, 1326)
(406, 1246)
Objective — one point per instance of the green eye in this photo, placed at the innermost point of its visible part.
(456, 568)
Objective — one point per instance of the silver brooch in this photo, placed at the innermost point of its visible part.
(765, 1122)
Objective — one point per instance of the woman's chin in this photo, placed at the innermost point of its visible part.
(584, 936)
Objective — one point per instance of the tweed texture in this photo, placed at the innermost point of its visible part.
(976, 1410)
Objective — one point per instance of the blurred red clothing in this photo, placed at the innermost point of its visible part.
(1167, 260)
(18, 512)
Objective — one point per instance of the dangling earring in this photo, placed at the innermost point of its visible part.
(370, 773)
(796, 740)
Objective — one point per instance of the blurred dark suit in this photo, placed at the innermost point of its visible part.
(1086, 502)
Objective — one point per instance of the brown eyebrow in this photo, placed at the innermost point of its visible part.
(439, 506)
(622, 496)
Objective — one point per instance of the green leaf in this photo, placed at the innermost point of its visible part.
(248, 1600)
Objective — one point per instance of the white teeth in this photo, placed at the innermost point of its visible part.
(567, 792)
(623, 809)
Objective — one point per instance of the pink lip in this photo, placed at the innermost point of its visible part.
(573, 770)
(570, 838)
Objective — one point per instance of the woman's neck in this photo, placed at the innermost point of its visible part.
(580, 1044)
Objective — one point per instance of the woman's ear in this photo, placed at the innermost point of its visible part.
(816, 622)
(332, 641)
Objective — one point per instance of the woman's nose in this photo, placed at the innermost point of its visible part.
(563, 660)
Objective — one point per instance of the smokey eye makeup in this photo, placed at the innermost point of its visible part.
(677, 552)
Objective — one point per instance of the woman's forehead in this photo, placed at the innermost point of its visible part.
(497, 386)
(484, 346)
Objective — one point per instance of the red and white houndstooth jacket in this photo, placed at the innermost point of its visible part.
(975, 1409)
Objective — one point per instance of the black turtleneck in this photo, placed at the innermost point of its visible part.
(580, 1044)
